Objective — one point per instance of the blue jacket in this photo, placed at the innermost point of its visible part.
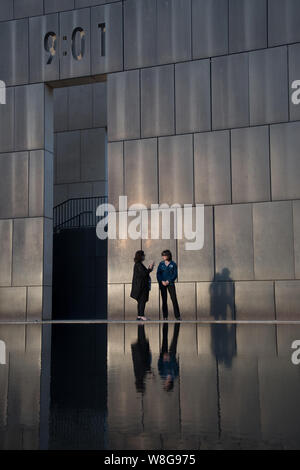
(167, 273)
(166, 368)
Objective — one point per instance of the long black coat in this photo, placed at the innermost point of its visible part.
(140, 282)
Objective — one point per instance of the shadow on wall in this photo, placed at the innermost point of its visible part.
(223, 337)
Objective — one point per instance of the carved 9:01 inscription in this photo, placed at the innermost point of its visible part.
(77, 44)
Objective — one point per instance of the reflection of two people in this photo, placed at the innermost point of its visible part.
(168, 366)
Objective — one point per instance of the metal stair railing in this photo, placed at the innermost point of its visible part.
(77, 213)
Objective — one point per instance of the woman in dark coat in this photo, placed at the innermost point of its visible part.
(141, 283)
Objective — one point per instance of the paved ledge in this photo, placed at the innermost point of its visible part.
(150, 322)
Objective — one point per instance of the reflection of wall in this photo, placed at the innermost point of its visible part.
(215, 132)
(248, 402)
(158, 419)
(24, 390)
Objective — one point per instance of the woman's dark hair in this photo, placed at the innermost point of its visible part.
(138, 257)
(168, 254)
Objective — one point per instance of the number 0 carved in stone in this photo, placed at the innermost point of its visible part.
(77, 45)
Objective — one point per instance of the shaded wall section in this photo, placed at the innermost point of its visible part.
(26, 168)
(204, 109)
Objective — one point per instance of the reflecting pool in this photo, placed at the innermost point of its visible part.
(149, 386)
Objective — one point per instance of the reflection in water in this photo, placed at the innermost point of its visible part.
(141, 356)
(78, 387)
(24, 388)
(168, 364)
(110, 387)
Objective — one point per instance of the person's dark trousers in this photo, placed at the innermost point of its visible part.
(141, 305)
(164, 296)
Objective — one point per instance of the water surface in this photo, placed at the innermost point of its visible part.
(151, 386)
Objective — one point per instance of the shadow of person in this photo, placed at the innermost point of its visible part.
(223, 336)
(142, 358)
(168, 365)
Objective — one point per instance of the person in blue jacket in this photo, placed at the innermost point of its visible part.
(166, 275)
